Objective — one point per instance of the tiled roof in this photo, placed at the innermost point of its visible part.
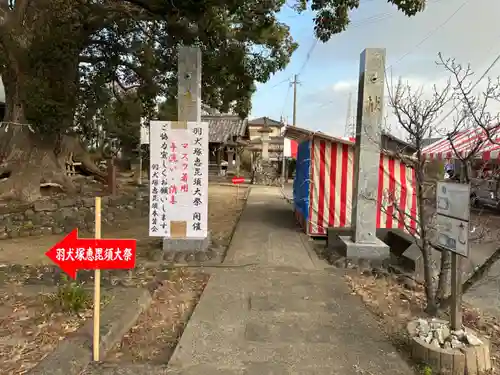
(222, 127)
(260, 121)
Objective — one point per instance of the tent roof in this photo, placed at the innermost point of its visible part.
(300, 135)
(464, 143)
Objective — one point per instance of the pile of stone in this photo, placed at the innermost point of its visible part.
(439, 334)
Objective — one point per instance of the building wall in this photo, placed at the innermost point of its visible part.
(395, 146)
(254, 132)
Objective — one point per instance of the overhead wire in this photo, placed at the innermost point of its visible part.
(422, 41)
(431, 33)
(495, 61)
(287, 95)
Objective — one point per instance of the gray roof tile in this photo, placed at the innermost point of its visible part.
(223, 127)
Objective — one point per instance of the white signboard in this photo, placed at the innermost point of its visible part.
(178, 179)
(453, 199)
(453, 234)
(144, 133)
(453, 212)
(287, 148)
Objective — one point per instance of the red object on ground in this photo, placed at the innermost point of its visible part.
(238, 180)
(73, 253)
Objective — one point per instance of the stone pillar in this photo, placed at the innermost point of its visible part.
(265, 148)
(189, 109)
(266, 173)
(238, 161)
(230, 159)
(363, 243)
(218, 155)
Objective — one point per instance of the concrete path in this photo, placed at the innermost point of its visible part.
(283, 316)
(281, 313)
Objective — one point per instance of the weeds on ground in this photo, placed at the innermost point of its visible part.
(70, 297)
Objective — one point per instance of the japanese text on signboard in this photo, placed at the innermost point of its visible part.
(179, 179)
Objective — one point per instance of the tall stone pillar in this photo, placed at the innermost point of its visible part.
(218, 156)
(189, 109)
(238, 161)
(266, 173)
(363, 243)
(231, 148)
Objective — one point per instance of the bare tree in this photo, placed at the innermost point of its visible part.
(418, 115)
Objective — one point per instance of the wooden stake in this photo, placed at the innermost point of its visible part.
(97, 284)
(456, 292)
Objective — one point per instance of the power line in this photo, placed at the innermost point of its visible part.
(286, 99)
(308, 56)
(495, 61)
(280, 83)
(431, 33)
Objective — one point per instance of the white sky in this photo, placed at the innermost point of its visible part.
(412, 46)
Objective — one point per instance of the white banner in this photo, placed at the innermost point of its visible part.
(287, 148)
(144, 132)
(178, 179)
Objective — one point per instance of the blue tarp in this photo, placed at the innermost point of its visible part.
(301, 181)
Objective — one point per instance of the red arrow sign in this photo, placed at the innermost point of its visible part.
(73, 254)
(238, 180)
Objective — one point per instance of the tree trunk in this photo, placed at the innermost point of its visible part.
(444, 276)
(29, 158)
(431, 307)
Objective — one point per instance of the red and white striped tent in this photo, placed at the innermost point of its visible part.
(290, 148)
(323, 185)
(475, 140)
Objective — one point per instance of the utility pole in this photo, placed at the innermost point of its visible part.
(294, 83)
(349, 127)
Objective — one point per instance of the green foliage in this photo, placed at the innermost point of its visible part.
(167, 110)
(63, 61)
(332, 16)
(71, 297)
(426, 370)
(122, 120)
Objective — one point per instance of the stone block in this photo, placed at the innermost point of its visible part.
(44, 206)
(333, 241)
(412, 261)
(186, 244)
(377, 250)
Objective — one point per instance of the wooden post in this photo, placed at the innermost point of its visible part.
(295, 82)
(456, 292)
(111, 176)
(139, 177)
(97, 284)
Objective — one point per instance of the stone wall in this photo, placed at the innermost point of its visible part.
(62, 214)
